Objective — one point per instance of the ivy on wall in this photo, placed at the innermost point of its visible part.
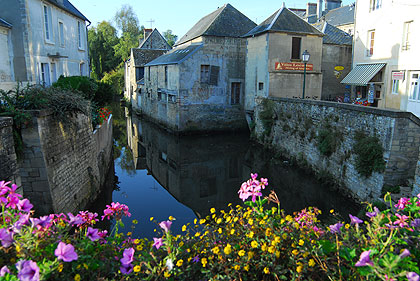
(369, 154)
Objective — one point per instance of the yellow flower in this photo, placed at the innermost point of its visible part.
(181, 244)
(332, 211)
(237, 267)
(232, 231)
(284, 236)
(264, 247)
(215, 250)
(250, 255)
(295, 252)
(220, 230)
(271, 249)
(293, 245)
(184, 228)
(77, 277)
(219, 220)
(311, 262)
(246, 267)
(277, 254)
(228, 219)
(227, 249)
(60, 267)
(268, 232)
(282, 221)
(266, 270)
(139, 247)
(235, 219)
(135, 222)
(197, 234)
(301, 242)
(305, 254)
(262, 222)
(86, 266)
(241, 253)
(171, 218)
(250, 221)
(167, 274)
(347, 226)
(202, 221)
(250, 234)
(195, 221)
(299, 269)
(204, 262)
(212, 210)
(151, 218)
(254, 244)
(129, 233)
(179, 263)
(137, 268)
(136, 241)
(289, 218)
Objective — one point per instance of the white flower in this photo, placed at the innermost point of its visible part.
(169, 264)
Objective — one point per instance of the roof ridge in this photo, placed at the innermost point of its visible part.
(275, 18)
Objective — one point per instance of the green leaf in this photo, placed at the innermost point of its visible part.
(347, 253)
(327, 247)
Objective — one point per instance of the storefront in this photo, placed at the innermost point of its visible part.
(367, 83)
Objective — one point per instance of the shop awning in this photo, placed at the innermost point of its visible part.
(361, 74)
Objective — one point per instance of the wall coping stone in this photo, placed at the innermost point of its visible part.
(354, 107)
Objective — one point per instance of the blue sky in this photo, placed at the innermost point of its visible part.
(180, 16)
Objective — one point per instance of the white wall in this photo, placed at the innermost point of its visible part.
(39, 47)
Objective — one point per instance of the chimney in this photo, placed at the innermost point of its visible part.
(319, 10)
(332, 4)
(147, 31)
(311, 12)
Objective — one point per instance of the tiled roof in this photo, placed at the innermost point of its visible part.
(67, 6)
(5, 23)
(333, 35)
(156, 41)
(177, 55)
(341, 16)
(143, 56)
(284, 20)
(225, 21)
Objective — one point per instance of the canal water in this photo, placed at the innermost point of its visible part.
(161, 175)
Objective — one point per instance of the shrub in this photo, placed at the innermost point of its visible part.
(369, 154)
(328, 140)
(266, 115)
(115, 79)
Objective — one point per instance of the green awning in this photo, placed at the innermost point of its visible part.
(361, 74)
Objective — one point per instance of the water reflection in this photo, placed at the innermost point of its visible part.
(186, 176)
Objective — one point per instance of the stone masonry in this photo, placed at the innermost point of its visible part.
(296, 125)
(8, 166)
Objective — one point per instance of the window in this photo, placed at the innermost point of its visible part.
(45, 74)
(371, 41)
(261, 86)
(209, 74)
(414, 87)
(47, 23)
(375, 4)
(79, 35)
(296, 42)
(395, 86)
(61, 32)
(235, 90)
(406, 36)
(139, 73)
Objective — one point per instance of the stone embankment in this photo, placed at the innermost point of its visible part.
(63, 165)
(295, 128)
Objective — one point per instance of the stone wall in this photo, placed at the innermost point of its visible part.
(296, 127)
(8, 160)
(64, 163)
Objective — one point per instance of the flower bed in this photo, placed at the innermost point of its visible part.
(251, 242)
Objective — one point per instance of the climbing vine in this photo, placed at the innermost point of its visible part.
(369, 154)
(266, 116)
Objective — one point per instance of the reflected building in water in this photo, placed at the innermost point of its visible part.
(203, 172)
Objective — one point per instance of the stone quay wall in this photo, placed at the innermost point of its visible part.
(9, 170)
(296, 125)
(64, 163)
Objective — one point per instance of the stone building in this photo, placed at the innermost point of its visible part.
(6, 55)
(336, 61)
(199, 85)
(386, 68)
(152, 46)
(274, 59)
(47, 39)
(342, 18)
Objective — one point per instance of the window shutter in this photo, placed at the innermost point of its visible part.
(214, 75)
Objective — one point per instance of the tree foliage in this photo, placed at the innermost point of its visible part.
(170, 38)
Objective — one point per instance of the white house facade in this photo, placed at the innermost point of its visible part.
(48, 39)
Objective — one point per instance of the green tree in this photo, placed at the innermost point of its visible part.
(102, 40)
(170, 38)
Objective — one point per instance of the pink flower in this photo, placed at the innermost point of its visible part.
(4, 270)
(364, 259)
(116, 210)
(158, 243)
(412, 276)
(166, 225)
(27, 270)
(402, 221)
(25, 205)
(128, 256)
(92, 234)
(75, 220)
(354, 220)
(65, 252)
(405, 253)
(402, 203)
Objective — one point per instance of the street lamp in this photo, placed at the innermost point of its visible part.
(305, 59)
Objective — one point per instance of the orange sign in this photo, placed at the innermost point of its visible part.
(293, 66)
